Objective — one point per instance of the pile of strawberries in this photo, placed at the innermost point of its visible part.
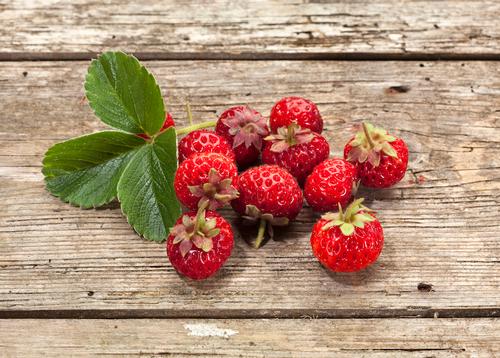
(294, 155)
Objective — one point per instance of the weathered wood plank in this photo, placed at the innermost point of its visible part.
(251, 338)
(188, 29)
(440, 222)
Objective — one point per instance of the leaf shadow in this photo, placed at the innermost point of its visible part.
(109, 206)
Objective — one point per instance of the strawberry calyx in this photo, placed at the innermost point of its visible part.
(355, 215)
(216, 192)
(369, 145)
(266, 220)
(287, 137)
(247, 127)
(197, 231)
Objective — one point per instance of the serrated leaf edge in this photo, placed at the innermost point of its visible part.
(73, 203)
(142, 68)
(126, 215)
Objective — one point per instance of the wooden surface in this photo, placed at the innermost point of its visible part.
(215, 29)
(435, 291)
(57, 257)
(252, 338)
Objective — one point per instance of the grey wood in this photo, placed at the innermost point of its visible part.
(440, 222)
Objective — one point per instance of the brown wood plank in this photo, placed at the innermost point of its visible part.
(440, 222)
(251, 338)
(187, 29)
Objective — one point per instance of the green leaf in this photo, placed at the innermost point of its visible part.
(84, 171)
(146, 189)
(124, 95)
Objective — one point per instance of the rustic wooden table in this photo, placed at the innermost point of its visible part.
(80, 282)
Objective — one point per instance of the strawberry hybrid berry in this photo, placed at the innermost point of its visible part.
(295, 110)
(332, 182)
(381, 159)
(169, 122)
(347, 241)
(199, 244)
(206, 178)
(296, 149)
(244, 129)
(204, 140)
(270, 195)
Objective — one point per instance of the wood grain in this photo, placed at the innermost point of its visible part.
(440, 222)
(251, 338)
(49, 29)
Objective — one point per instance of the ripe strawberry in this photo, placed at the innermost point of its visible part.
(298, 110)
(347, 241)
(295, 149)
(381, 158)
(199, 244)
(270, 194)
(206, 177)
(244, 129)
(332, 182)
(169, 122)
(203, 140)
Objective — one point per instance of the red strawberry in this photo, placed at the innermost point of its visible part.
(244, 129)
(295, 149)
(199, 244)
(169, 122)
(331, 183)
(206, 177)
(381, 158)
(203, 140)
(295, 110)
(270, 194)
(347, 241)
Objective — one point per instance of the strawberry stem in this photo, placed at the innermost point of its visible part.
(196, 126)
(200, 215)
(260, 234)
(189, 114)
(290, 135)
(368, 136)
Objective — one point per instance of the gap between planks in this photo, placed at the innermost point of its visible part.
(414, 312)
(250, 56)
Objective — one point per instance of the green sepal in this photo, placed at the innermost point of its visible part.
(370, 143)
(355, 216)
(347, 229)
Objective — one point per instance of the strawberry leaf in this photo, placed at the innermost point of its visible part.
(124, 95)
(146, 189)
(84, 171)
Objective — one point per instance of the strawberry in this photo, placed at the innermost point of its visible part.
(244, 129)
(381, 159)
(269, 194)
(296, 149)
(203, 140)
(206, 177)
(332, 182)
(347, 241)
(199, 244)
(169, 122)
(295, 110)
